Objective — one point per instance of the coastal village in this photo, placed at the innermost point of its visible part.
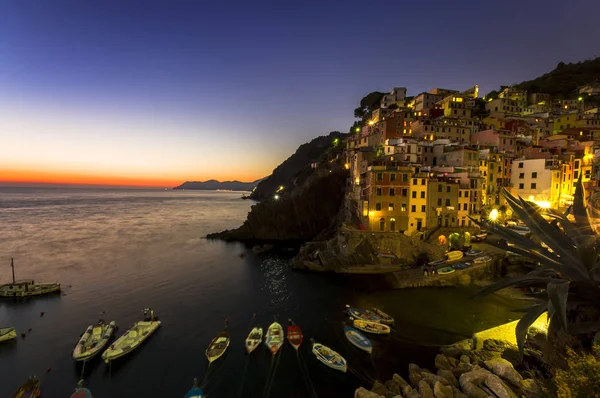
(441, 159)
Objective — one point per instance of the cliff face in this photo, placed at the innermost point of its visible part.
(304, 213)
(290, 173)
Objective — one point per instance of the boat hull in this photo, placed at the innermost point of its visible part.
(82, 393)
(7, 334)
(364, 315)
(91, 344)
(371, 327)
(195, 392)
(130, 341)
(217, 346)
(329, 357)
(254, 339)
(358, 339)
(30, 389)
(274, 338)
(36, 290)
(384, 318)
(294, 336)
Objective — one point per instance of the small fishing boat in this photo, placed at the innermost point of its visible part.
(329, 357)
(384, 318)
(254, 339)
(29, 389)
(365, 315)
(371, 327)
(195, 391)
(94, 339)
(461, 265)
(358, 339)
(81, 392)
(445, 270)
(218, 346)
(7, 334)
(133, 338)
(27, 287)
(294, 335)
(474, 252)
(454, 255)
(437, 262)
(482, 260)
(274, 338)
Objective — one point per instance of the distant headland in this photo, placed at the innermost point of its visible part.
(214, 185)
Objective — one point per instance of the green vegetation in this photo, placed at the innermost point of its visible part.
(581, 375)
(368, 104)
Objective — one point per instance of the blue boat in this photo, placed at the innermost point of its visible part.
(82, 393)
(329, 357)
(461, 265)
(195, 391)
(363, 315)
(358, 339)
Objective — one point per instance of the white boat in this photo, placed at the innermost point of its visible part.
(254, 339)
(26, 287)
(7, 334)
(133, 338)
(93, 340)
(371, 327)
(329, 357)
(274, 338)
(482, 260)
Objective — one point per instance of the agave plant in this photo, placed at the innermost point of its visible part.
(569, 266)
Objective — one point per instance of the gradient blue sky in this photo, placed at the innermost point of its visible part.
(167, 91)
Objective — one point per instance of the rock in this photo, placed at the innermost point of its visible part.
(458, 393)
(461, 368)
(442, 391)
(379, 388)
(257, 249)
(413, 394)
(399, 381)
(472, 391)
(431, 379)
(414, 368)
(504, 369)
(362, 393)
(448, 376)
(392, 387)
(530, 389)
(425, 390)
(442, 362)
(496, 345)
(414, 375)
(406, 390)
(473, 381)
(465, 359)
(392, 395)
(457, 349)
(513, 356)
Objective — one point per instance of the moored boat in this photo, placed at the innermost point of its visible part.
(384, 318)
(93, 340)
(81, 392)
(482, 260)
(133, 338)
(445, 270)
(358, 339)
(195, 391)
(294, 335)
(329, 357)
(365, 315)
(371, 327)
(254, 339)
(7, 334)
(218, 345)
(474, 252)
(29, 389)
(461, 265)
(437, 262)
(26, 287)
(454, 255)
(274, 338)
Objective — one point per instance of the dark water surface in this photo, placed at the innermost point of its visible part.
(122, 250)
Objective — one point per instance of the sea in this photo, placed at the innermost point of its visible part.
(118, 251)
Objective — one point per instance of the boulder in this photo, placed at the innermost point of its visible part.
(458, 393)
(392, 395)
(362, 393)
(475, 382)
(379, 388)
(399, 381)
(465, 359)
(457, 349)
(530, 389)
(448, 376)
(413, 394)
(442, 362)
(414, 377)
(392, 387)
(496, 345)
(461, 368)
(442, 391)
(425, 390)
(406, 390)
(431, 379)
(504, 369)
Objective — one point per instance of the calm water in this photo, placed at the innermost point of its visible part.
(122, 250)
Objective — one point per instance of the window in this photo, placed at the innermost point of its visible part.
(413, 208)
(422, 194)
(575, 175)
(577, 164)
(391, 207)
(393, 177)
(377, 206)
(392, 191)
(379, 176)
(460, 194)
(521, 186)
(534, 174)
(404, 191)
(414, 194)
(588, 173)
(466, 194)
(414, 181)
(533, 185)
(465, 206)
(382, 224)
(520, 165)
(447, 202)
(403, 207)
(422, 181)
(439, 201)
(405, 177)
(439, 187)
(521, 175)
(448, 189)
(378, 191)
(423, 208)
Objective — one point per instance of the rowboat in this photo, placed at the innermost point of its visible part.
(274, 338)
(482, 260)
(454, 255)
(195, 391)
(29, 389)
(93, 340)
(358, 339)
(133, 338)
(329, 357)
(437, 262)
(254, 339)
(26, 287)
(461, 265)
(445, 270)
(294, 335)
(474, 252)
(82, 393)
(7, 334)
(371, 327)
(218, 346)
(384, 318)
(364, 315)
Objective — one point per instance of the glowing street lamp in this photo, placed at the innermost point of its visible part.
(357, 129)
(580, 99)
(371, 122)
(493, 216)
(276, 197)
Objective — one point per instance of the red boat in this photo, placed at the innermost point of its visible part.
(294, 335)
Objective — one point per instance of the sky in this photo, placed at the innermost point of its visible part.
(155, 93)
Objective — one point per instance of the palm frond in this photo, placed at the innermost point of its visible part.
(557, 295)
(527, 320)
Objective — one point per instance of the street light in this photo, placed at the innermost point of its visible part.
(276, 197)
(493, 216)
(371, 122)
(357, 129)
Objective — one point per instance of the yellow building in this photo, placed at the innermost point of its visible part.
(564, 122)
(417, 218)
